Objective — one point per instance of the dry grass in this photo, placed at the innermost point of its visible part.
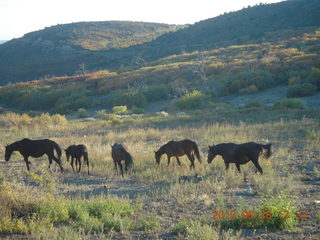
(153, 186)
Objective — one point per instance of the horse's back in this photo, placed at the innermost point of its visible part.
(82, 148)
(120, 152)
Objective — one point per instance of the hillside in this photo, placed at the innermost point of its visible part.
(60, 49)
(250, 24)
(199, 75)
(53, 52)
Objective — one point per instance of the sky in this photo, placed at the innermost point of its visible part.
(18, 17)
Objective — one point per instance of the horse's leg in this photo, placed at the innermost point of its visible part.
(115, 167)
(121, 168)
(50, 161)
(258, 166)
(169, 157)
(88, 165)
(238, 167)
(51, 155)
(227, 165)
(71, 162)
(178, 160)
(192, 161)
(27, 162)
(79, 161)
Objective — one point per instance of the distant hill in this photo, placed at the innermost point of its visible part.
(249, 25)
(122, 46)
(60, 49)
(3, 41)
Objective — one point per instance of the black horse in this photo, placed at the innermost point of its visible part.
(177, 149)
(119, 153)
(76, 152)
(35, 148)
(239, 153)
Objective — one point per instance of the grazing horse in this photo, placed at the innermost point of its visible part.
(239, 153)
(119, 152)
(178, 149)
(76, 152)
(35, 148)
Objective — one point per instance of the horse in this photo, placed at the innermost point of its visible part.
(35, 148)
(76, 152)
(240, 154)
(178, 149)
(119, 152)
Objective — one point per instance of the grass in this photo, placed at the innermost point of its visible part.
(45, 209)
(274, 212)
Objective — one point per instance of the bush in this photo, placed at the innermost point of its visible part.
(193, 100)
(137, 110)
(82, 113)
(157, 92)
(119, 109)
(253, 104)
(274, 212)
(194, 230)
(314, 77)
(289, 103)
(251, 89)
(301, 90)
(128, 98)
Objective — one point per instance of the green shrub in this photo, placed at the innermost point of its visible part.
(148, 222)
(314, 77)
(156, 92)
(137, 110)
(301, 90)
(274, 212)
(253, 104)
(250, 89)
(282, 209)
(119, 109)
(82, 113)
(194, 230)
(289, 103)
(129, 98)
(193, 100)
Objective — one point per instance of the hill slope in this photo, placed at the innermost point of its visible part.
(60, 49)
(52, 52)
(249, 25)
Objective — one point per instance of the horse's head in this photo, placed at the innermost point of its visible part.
(157, 156)
(8, 152)
(212, 153)
(67, 154)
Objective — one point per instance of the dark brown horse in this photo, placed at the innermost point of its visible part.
(35, 148)
(178, 149)
(76, 152)
(239, 153)
(119, 152)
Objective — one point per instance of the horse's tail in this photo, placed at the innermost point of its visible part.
(196, 151)
(58, 149)
(267, 153)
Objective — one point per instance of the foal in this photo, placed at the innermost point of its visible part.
(76, 152)
(239, 153)
(119, 153)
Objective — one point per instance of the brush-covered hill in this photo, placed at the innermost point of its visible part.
(252, 24)
(59, 49)
(184, 81)
(54, 51)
